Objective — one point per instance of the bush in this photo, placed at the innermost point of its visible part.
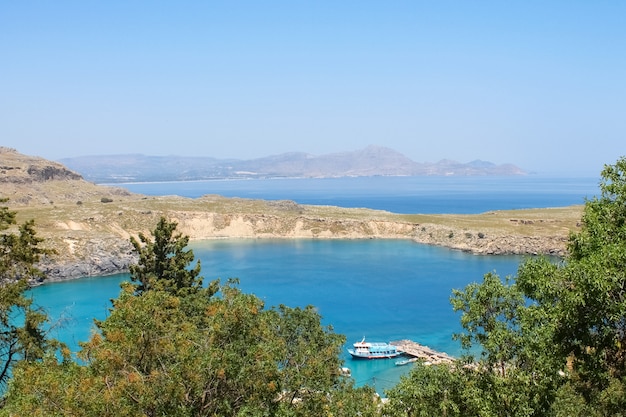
(106, 200)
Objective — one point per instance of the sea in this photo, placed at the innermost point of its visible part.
(380, 290)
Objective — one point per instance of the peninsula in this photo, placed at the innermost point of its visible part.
(89, 225)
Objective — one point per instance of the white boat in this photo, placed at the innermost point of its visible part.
(374, 350)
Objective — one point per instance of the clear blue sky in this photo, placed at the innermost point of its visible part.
(541, 84)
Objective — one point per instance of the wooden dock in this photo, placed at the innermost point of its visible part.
(425, 353)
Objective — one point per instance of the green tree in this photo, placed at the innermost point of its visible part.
(551, 342)
(303, 343)
(490, 319)
(164, 261)
(188, 351)
(511, 337)
(437, 390)
(21, 334)
(583, 299)
(500, 381)
(154, 355)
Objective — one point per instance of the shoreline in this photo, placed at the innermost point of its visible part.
(93, 238)
(110, 255)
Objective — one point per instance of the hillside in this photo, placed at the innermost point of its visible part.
(371, 161)
(89, 225)
(28, 180)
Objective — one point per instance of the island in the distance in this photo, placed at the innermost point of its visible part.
(371, 161)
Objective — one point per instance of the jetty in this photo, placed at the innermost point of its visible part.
(430, 356)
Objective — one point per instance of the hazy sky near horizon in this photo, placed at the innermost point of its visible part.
(540, 84)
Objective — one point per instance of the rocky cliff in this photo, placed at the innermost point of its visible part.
(94, 239)
(21, 169)
(31, 180)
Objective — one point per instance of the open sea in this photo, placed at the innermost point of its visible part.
(379, 289)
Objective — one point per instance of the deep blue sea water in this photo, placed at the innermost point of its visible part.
(381, 289)
(397, 194)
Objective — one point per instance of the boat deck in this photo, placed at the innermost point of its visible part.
(416, 350)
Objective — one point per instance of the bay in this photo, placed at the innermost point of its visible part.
(379, 289)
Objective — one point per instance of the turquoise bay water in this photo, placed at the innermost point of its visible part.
(381, 289)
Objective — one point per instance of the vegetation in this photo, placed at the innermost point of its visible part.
(552, 342)
(172, 347)
(164, 262)
(21, 333)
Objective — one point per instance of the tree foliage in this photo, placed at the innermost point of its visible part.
(171, 347)
(21, 334)
(164, 261)
(552, 341)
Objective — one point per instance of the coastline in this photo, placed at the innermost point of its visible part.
(93, 239)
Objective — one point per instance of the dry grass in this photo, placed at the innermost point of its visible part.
(139, 213)
(528, 222)
(70, 213)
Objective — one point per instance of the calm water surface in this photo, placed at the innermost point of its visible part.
(397, 194)
(381, 289)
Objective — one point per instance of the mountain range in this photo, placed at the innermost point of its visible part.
(370, 161)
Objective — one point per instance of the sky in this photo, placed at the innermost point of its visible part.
(540, 84)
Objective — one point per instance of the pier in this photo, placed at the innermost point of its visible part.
(430, 356)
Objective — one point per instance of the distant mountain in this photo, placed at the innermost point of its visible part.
(371, 161)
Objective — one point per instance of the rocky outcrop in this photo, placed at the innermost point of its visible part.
(97, 258)
(232, 225)
(491, 243)
(30, 180)
(19, 169)
(50, 173)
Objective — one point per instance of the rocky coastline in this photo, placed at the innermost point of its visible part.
(112, 253)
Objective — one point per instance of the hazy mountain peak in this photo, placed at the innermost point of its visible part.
(373, 160)
(477, 163)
